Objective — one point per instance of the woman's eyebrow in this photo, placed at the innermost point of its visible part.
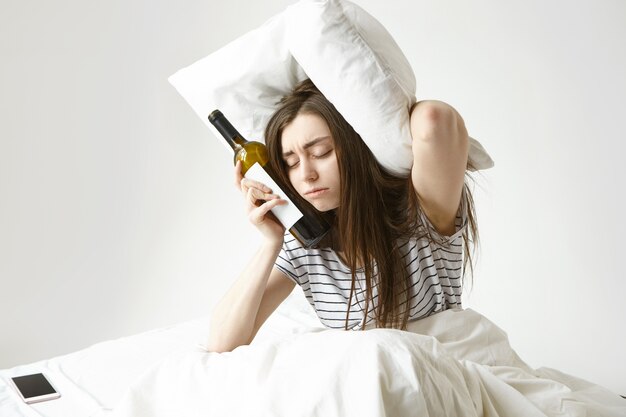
(307, 145)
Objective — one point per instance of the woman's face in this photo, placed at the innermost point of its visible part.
(309, 152)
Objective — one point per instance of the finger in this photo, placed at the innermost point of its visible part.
(238, 175)
(256, 184)
(258, 214)
(254, 195)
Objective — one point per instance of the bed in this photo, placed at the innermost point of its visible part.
(456, 362)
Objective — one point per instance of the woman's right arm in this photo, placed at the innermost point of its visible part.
(250, 301)
(260, 288)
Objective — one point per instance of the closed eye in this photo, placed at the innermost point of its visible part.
(322, 155)
(314, 156)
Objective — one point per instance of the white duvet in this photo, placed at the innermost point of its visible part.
(454, 363)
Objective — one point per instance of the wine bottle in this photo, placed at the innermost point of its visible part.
(304, 222)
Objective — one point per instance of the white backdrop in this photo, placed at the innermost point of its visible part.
(118, 212)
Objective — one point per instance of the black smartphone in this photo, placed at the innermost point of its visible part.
(34, 388)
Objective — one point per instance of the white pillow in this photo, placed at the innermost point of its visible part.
(347, 54)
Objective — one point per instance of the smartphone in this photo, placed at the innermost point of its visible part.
(34, 388)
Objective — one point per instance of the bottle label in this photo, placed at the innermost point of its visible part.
(287, 214)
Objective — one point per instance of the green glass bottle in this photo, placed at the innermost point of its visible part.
(304, 222)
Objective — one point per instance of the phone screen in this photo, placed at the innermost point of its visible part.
(34, 385)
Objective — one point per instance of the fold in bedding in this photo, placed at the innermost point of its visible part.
(454, 363)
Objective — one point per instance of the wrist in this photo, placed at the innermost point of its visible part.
(274, 244)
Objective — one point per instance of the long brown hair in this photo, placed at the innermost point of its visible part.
(369, 233)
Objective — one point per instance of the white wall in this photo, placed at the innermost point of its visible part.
(118, 212)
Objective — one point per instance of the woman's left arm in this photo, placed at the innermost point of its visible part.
(440, 152)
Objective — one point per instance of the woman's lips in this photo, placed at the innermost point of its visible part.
(317, 193)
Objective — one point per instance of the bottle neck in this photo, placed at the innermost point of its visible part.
(227, 130)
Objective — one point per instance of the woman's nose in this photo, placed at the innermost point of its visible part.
(309, 173)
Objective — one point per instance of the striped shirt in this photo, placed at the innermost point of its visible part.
(434, 269)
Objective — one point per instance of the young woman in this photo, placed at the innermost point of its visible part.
(396, 246)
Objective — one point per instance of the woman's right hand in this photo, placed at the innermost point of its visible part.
(259, 200)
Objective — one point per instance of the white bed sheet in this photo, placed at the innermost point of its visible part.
(91, 381)
(453, 363)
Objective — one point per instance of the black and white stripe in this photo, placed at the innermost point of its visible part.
(434, 272)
